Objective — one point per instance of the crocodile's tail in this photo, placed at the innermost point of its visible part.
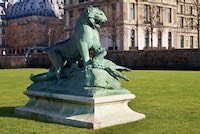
(41, 48)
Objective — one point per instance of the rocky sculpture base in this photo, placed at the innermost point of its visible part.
(79, 111)
(91, 83)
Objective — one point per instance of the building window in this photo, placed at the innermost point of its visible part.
(146, 13)
(182, 41)
(191, 41)
(132, 11)
(38, 12)
(41, 5)
(191, 23)
(181, 22)
(3, 42)
(159, 39)
(18, 51)
(32, 5)
(147, 39)
(159, 14)
(3, 31)
(169, 15)
(181, 9)
(190, 10)
(81, 1)
(114, 6)
(4, 52)
(22, 51)
(46, 12)
(132, 38)
(3, 24)
(169, 39)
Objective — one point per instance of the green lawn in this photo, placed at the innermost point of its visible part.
(170, 100)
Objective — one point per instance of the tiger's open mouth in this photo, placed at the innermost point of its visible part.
(99, 22)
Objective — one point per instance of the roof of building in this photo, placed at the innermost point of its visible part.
(30, 8)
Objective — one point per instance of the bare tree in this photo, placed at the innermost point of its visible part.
(13, 37)
(29, 34)
(26, 34)
(196, 20)
(153, 18)
(35, 33)
(193, 22)
(55, 31)
(114, 29)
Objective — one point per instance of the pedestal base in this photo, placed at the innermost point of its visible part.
(89, 112)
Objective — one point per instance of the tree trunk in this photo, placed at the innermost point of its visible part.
(151, 37)
(114, 44)
(198, 36)
(198, 29)
(198, 25)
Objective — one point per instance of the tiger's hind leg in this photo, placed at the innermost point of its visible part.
(57, 61)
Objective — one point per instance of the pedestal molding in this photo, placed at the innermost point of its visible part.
(88, 112)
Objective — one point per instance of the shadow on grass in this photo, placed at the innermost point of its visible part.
(9, 112)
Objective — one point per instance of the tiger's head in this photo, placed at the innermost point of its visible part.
(96, 17)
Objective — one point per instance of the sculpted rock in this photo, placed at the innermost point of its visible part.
(103, 64)
(93, 82)
(110, 67)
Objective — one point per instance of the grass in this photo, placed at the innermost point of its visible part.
(170, 100)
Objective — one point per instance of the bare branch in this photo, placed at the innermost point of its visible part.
(193, 21)
(113, 29)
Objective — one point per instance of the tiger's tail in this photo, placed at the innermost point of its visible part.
(34, 48)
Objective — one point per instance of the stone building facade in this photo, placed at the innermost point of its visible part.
(187, 20)
(140, 24)
(30, 31)
(2, 28)
(32, 23)
(3, 23)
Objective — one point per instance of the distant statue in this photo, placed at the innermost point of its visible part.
(98, 72)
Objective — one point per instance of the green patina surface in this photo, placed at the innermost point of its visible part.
(99, 77)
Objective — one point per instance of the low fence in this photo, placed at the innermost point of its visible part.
(18, 61)
(146, 59)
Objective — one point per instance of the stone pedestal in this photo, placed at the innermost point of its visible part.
(88, 112)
